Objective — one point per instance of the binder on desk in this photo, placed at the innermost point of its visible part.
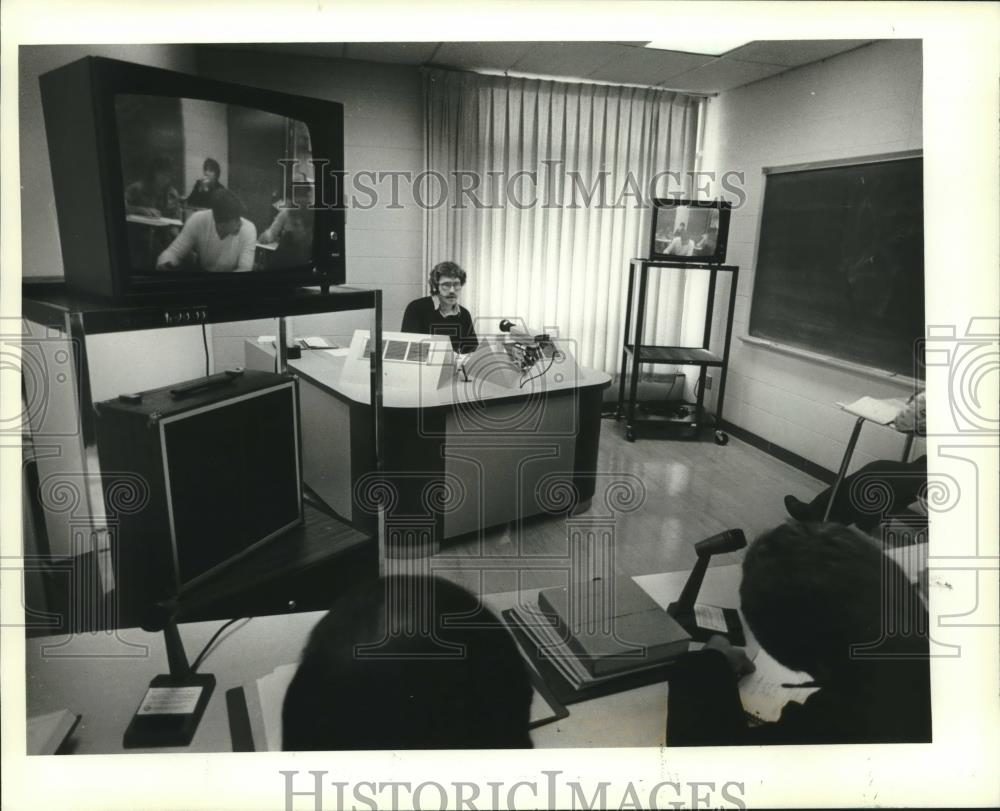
(560, 669)
(613, 626)
(255, 709)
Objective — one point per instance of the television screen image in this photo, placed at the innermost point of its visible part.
(211, 187)
(170, 183)
(689, 231)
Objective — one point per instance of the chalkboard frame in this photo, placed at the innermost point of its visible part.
(914, 369)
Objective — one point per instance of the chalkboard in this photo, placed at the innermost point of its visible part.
(840, 262)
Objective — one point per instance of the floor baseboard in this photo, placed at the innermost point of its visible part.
(782, 454)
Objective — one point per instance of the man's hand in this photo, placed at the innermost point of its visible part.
(737, 657)
(166, 264)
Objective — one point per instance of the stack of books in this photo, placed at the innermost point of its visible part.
(599, 632)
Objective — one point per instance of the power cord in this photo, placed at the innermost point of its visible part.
(204, 341)
(207, 649)
(526, 380)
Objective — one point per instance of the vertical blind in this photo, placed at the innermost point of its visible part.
(542, 194)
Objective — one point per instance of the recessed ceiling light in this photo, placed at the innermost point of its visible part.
(700, 43)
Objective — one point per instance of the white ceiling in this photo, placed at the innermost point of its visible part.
(613, 62)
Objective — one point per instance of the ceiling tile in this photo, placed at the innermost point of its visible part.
(792, 53)
(402, 53)
(722, 74)
(614, 62)
(648, 66)
(471, 55)
(570, 59)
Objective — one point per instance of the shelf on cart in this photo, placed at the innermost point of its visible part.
(692, 355)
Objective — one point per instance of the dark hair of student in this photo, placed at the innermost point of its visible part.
(463, 687)
(445, 270)
(212, 165)
(812, 591)
(225, 205)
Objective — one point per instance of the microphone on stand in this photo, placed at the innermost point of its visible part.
(526, 349)
(175, 702)
(506, 325)
(684, 609)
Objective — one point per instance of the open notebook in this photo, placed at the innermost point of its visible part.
(764, 692)
(265, 697)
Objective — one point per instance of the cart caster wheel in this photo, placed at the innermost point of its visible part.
(630, 435)
(721, 438)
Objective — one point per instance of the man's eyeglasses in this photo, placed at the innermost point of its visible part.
(449, 285)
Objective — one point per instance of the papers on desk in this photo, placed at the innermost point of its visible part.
(324, 345)
(265, 698)
(155, 222)
(881, 412)
(47, 733)
(762, 692)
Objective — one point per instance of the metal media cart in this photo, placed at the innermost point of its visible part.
(635, 354)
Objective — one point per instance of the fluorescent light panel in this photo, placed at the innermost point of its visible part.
(699, 43)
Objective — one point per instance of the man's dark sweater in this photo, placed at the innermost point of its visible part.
(422, 316)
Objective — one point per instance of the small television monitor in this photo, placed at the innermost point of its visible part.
(689, 231)
(173, 183)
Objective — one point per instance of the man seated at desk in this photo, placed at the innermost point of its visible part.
(218, 240)
(900, 482)
(205, 186)
(440, 313)
(290, 238)
(154, 195)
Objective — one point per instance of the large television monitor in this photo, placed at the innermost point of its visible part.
(689, 231)
(171, 183)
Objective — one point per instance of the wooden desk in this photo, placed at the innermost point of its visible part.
(496, 454)
(103, 677)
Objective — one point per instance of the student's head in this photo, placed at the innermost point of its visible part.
(811, 591)
(447, 280)
(226, 211)
(159, 171)
(211, 172)
(459, 687)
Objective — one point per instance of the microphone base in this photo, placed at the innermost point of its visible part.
(170, 711)
(734, 625)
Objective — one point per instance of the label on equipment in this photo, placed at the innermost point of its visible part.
(710, 617)
(170, 701)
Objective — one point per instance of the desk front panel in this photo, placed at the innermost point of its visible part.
(509, 456)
